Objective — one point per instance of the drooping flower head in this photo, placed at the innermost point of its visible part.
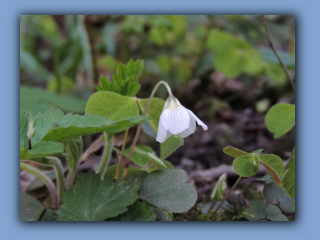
(177, 120)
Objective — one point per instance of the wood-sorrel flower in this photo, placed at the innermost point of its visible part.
(176, 119)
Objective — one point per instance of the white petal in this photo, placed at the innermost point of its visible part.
(197, 119)
(176, 120)
(162, 132)
(190, 129)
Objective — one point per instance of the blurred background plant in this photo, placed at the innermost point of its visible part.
(221, 67)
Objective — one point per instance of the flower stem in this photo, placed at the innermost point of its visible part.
(126, 165)
(212, 206)
(106, 154)
(277, 54)
(57, 166)
(225, 198)
(121, 155)
(44, 178)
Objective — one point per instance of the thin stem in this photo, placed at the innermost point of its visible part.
(121, 155)
(276, 53)
(212, 206)
(106, 155)
(126, 165)
(70, 178)
(55, 163)
(225, 198)
(155, 167)
(44, 178)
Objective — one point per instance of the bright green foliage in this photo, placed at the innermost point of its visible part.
(91, 199)
(137, 176)
(24, 126)
(219, 188)
(276, 195)
(257, 151)
(137, 158)
(161, 215)
(30, 208)
(167, 163)
(73, 147)
(261, 212)
(42, 149)
(55, 126)
(149, 155)
(125, 80)
(246, 166)
(235, 152)
(170, 145)
(111, 170)
(38, 100)
(280, 119)
(289, 177)
(139, 211)
(274, 166)
(167, 189)
(112, 105)
(154, 110)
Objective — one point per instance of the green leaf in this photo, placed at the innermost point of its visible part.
(246, 166)
(30, 208)
(139, 159)
(276, 195)
(218, 40)
(257, 151)
(149, 155)
(275, 214)
(112, 105)
(235, 152)
(167, 163)
(170, 145)
(257, 209)
(111, 170)
(138, 176)
(124, 81)
(38, 100)
(91, 199)
(280, 119)
(42, 149)
(55, 126)
(50, 215)
(161, 215)
(231, 62)
(154, 111)
(289, 177)
(73, 147)
(167, 189)
(274, 166)
(139, 211)
(24, 126)
(219, 188)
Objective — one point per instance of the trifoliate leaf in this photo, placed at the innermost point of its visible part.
(30, 208)
(125, 80)
(55, 126)
(235, 152)
(91, 199)
(139, 211)
(246, 166)
(167, 189)
(280, 119)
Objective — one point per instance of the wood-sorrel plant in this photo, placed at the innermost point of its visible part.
(153, 190)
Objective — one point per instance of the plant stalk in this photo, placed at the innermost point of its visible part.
(225, 198)
(276, 53)
(44, 178)
(55, 163)
(106, 155)
(126, 165)
(121, 155)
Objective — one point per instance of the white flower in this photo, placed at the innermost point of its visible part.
(176, 119)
